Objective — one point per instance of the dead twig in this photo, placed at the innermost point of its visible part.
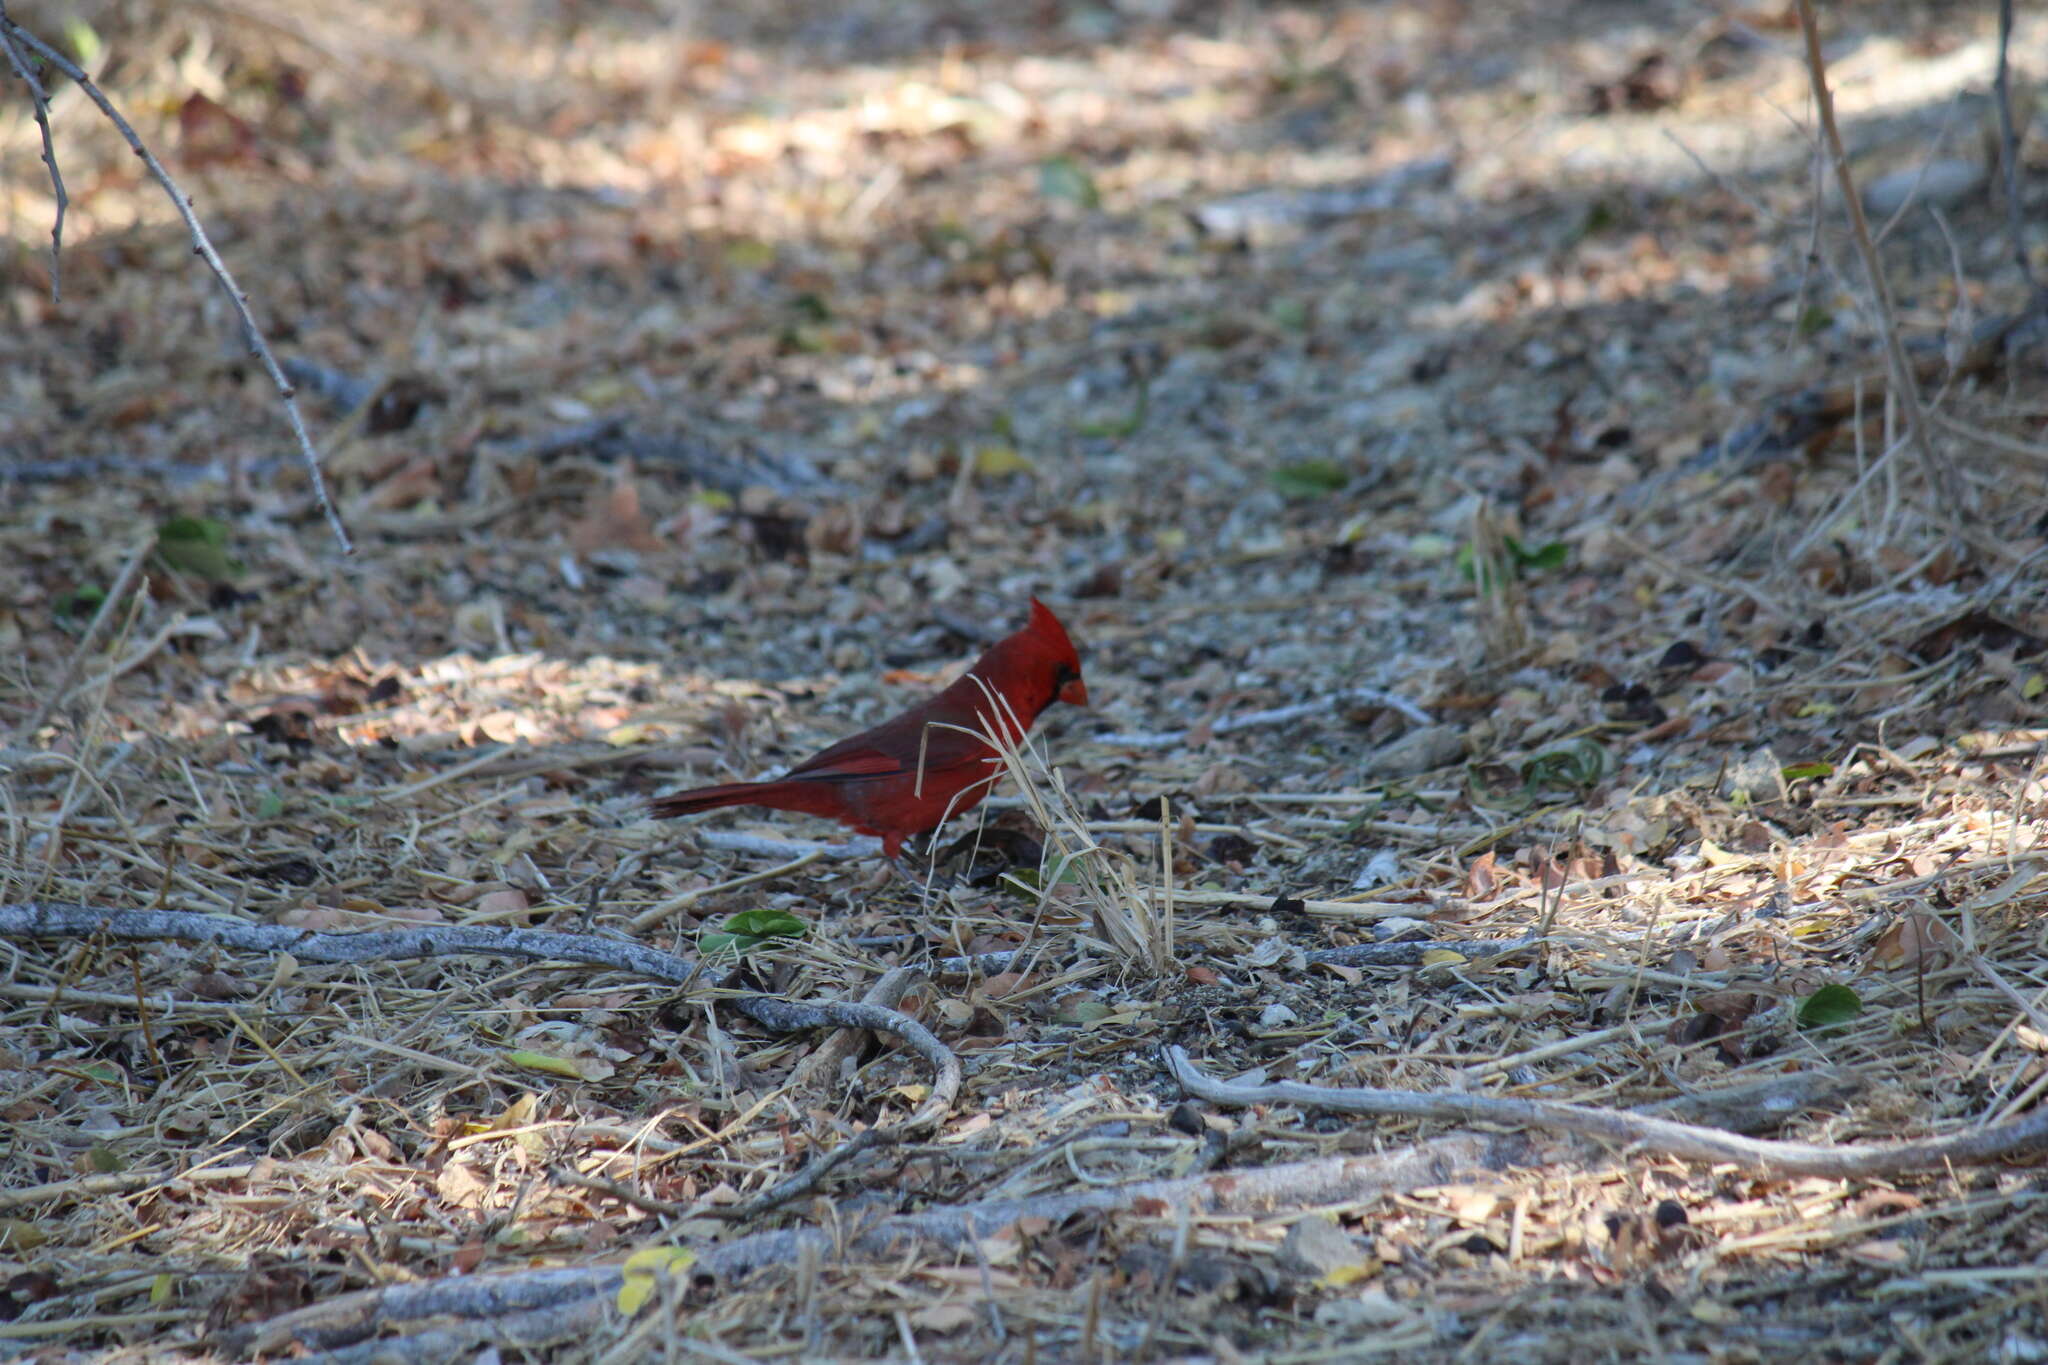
(1854, 1161)
(2008, 150)
(935, 1108)
(1941, 474)
(624, 1193)
(124, 582)
(39, 101)
(357, 1317)
(41, 920)
(725, 841)
(202, 246)
(816, 1069)
(647, 919)
(1279, 715)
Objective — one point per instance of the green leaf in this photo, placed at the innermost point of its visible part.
(270, 806)
(766, 924)
(1814, 319)
(1308, 478)
(203, 530)
(1521, 560)
(1064, 178)
(1580, 763)
(542, 1061)
(1000, 460)
(717, 947)
(1600, 217)
(1793, 772)
(1082, 1008)
(743, 933)
(17, 1235)
(197, 545)
(104, 1159)
(642, 1270)
(1829, 1006)
(747, 253)
(85, 42)
(78, 604)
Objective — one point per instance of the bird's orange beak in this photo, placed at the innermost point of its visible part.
(1074, 692)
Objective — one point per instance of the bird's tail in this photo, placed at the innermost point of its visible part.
(803, 797)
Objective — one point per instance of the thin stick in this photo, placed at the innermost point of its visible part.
(1279, 715)
(88, 642)
(647, 919)
(1851, 1161)
(1940, 473)
(46, 920)
(202, 246)
(762, 846)
(816, 1070)
(39, 100)
(2008, 146)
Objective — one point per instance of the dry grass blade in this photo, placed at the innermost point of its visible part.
(1131, 915)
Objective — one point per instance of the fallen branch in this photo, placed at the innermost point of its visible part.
(815, 1072)
(724, 841)
(1410, 953)
(42, 920)
(884, 994)
(1279, 715)
(1662, 1136)
(360, 1316)
(202, 246)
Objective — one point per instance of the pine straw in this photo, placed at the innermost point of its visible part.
(201, 1139)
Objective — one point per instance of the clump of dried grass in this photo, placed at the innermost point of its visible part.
(1132, 914)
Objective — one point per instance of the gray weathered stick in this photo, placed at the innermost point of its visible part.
(202, 246)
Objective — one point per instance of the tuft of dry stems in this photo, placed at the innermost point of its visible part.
(1502, 605)
(1131, 916)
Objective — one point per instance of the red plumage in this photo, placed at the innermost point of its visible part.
(911, 773)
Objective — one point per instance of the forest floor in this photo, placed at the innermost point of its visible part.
(1458, 439)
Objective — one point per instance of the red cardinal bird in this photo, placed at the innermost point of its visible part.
(908, 775)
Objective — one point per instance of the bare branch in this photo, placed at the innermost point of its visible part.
(1855, 1161)
(202, 246)
(1279, 715)
(1294, 1185)
(726, 841)
(42, 920)
(39, 100)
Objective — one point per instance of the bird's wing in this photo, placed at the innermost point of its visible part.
(882, 753)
